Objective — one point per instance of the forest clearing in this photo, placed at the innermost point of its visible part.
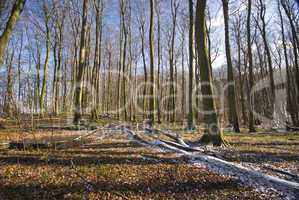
(149, 99)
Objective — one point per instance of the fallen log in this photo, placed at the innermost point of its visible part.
(179, 146)
(173, 136)
(248, 176)
(259, 180)
(281, 171)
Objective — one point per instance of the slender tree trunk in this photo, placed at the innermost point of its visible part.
(159, 63)
(241, 85)
(233, 116)
(183, 76)
(191, 60)
(250, 67)
(45, 72)
(152, 79)
(19, 69)
(174, 9)
(8, 107)
(268, 53)
(55, 72)
(124, 52)
(98, 7)
(142, 34)
(37, 81)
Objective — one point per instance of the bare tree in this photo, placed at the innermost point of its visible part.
(13, 18)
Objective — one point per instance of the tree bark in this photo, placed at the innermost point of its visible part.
(152, 78)
(82, 57)
(13, 18)
(250, 67)
(191, 60)
(212, 132)
(233, 116)
(45, 72)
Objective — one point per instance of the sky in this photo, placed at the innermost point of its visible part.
(33, 13)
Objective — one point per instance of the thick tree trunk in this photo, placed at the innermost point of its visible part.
(82, 57)
(212, 133)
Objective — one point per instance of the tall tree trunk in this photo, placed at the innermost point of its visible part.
(45, 72)
(191, 60)
(82, 57)
(174, 9)
(19, 69)
(159, 62)
(268, 53)
(152, 79)
(124, 53)
(37, 81)
(237, 29)
(142, 35)
(250, 68)
(8, 107)
(98, 7)
(212, 132)
(183, 75)
(13, 18)
(233, 116)
(119, 63)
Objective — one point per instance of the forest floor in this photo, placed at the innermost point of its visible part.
(115, 168)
